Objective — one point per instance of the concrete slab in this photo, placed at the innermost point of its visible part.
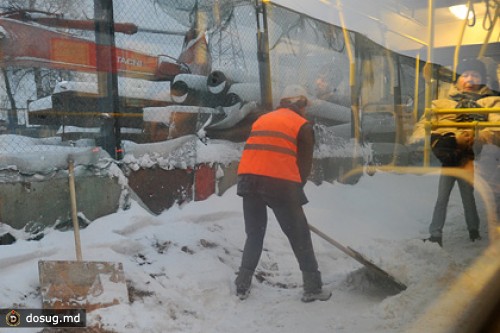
(48, 201)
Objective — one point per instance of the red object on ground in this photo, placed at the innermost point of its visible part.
(204, 182)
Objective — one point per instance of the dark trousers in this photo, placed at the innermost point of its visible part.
(292, 221)
(444, 190)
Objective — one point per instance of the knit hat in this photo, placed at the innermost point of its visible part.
(472, 65)
(293, 93)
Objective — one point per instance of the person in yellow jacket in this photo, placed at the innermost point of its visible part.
(456, 147)
(274, 167)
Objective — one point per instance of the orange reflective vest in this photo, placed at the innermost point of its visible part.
(271, 148)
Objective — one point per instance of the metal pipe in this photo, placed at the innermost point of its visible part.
(352, 84)
(347, 40)
(465, 110)
(459, 44)
(107, 80)
(415, 93)
(471, 124)
(355, 109)
(429, 81)
(263, 56)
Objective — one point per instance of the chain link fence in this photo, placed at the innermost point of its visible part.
(175, 66)
(182, 66)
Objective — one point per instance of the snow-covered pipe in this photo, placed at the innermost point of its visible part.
(341, 99)
(242, 92)
(330, 111)
(234, 117)
(341, 131)
(188, 88)
(219, 82)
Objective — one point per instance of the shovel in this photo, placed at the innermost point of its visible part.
(80, 284)
(379, 272)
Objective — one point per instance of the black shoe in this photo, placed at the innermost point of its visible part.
(474, 235)
(435, 239)
(242, 293)
(322, 295)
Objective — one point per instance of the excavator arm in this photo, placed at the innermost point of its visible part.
(25, 44)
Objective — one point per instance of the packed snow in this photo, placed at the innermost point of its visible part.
(180, 265)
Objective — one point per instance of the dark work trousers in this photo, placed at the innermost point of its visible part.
(292, 221)
(444, 190)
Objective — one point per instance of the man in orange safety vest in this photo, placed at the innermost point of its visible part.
(274, 167)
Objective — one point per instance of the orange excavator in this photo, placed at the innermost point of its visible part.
(27, 41)
(32, 39)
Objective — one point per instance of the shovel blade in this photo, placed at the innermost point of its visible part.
(389, 280)
(81, 284)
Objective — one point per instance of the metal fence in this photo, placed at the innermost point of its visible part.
(172, 68)
(115, 71)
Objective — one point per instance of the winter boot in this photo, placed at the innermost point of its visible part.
(313, 289)
(474, 235)
(243, 282)
(435, 239)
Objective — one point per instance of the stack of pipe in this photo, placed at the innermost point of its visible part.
(226, 91)
(235, 95)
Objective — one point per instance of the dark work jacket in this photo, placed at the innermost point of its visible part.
(284, 191)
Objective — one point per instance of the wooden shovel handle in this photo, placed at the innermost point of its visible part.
(332, 241)
(74, 210)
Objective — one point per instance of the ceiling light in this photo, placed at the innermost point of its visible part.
(460, 11)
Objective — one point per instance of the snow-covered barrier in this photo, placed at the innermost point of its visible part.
(180, 170)
(34, 185)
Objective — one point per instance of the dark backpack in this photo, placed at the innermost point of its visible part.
(445, 148)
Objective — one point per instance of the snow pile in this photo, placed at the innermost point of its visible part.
(184, 152)
(180, 265)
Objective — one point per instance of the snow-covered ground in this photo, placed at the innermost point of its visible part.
(180, 265)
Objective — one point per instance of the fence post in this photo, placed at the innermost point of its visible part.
(263, 56)
(107, 80)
